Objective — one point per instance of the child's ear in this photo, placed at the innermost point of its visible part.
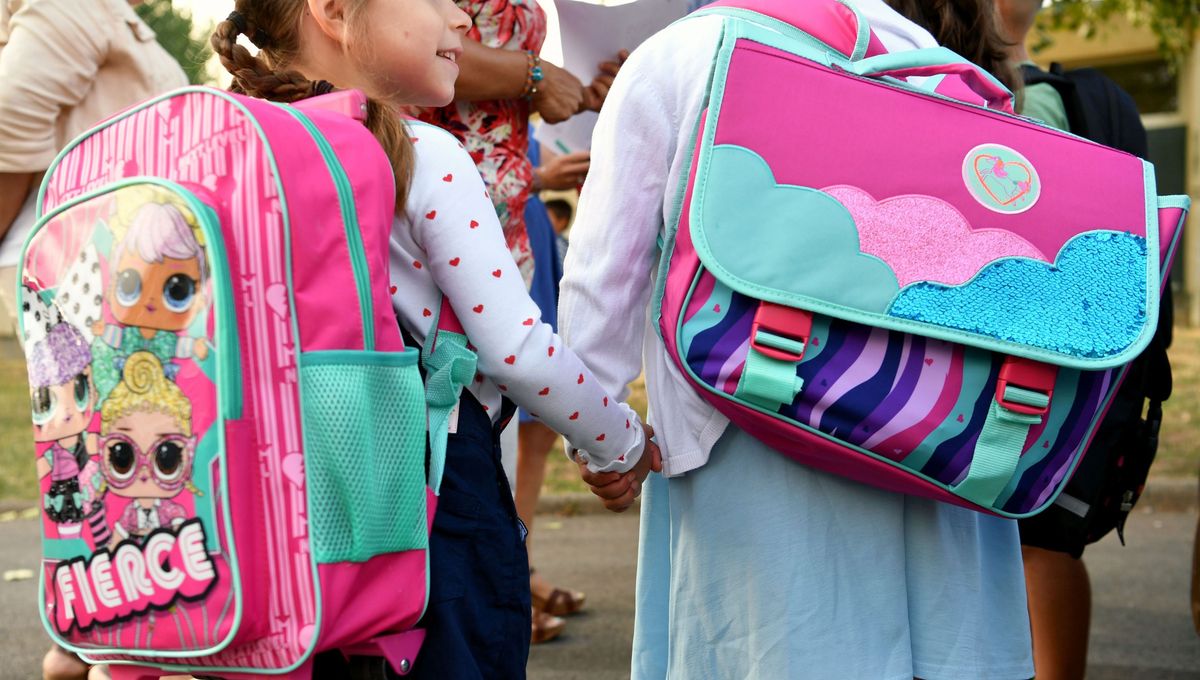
(330, 16)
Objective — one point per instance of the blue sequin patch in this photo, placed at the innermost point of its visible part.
(1090, 303)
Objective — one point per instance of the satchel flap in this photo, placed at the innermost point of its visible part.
(873, 202)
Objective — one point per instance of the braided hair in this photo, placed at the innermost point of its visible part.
(273, 27)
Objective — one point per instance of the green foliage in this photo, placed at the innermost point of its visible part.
(180, 37)
(1174, 22)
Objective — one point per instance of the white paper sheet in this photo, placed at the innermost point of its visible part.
(593, 33)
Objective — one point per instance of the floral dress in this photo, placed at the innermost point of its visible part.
(495, 132)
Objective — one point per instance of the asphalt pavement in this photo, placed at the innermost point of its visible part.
(1141, 618)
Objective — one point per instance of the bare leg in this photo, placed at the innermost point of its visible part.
(1060, 611)
(59, 664)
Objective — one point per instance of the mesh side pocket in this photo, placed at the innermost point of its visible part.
(364, 453)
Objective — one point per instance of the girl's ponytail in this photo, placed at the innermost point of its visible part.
(272, 25)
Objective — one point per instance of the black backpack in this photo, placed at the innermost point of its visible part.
(1111, 477)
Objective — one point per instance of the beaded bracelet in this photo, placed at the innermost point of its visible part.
(534, 76)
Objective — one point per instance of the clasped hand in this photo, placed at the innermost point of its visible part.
(617, 490)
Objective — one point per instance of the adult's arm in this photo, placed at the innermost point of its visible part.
(489, 73)
(14, 187)
(53, 52)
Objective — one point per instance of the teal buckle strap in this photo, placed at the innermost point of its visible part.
(777, 341)
(449, 365)
(1014, 410)
(766, 381)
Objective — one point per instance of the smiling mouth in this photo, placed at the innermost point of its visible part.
(452, 55)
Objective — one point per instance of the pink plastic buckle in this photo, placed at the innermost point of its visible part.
(787, 322)
(352, 103)
(1028, 375)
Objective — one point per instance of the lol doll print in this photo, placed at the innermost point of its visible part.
(157, 281)
(63, 402)
(147, 447)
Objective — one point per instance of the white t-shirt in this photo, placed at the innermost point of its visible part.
(450, 241)
(639, 149)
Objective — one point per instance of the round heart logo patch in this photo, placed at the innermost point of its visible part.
(1001, 179)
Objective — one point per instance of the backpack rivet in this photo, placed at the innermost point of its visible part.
(405, 666)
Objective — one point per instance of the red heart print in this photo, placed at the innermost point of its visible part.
(717, 308)
(392, 290)
(544, 391)
(960, 418)
(478, 378)
(621, 458)
(606, 402)
(474, 224)
(929, 362)
(1046, 444)
(497, 273)
(573, 416)
(455, 261)
(550, 351)
(448, 178)
(485, 407)
(527, 322)
(600, 438)
(415, 139)
(816, 342)
(426, 312)
(478, 309)
(503, 388)
(580, 380)
(510, 359)
(431, 214)
(417, 264)
(626, 424)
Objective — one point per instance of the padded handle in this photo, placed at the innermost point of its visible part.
(934, 61)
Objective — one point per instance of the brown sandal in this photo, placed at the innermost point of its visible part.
(560, 603)
(545, 627)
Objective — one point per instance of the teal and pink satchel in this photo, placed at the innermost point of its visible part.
(898, 280)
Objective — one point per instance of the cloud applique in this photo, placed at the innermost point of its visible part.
(788, 238)
(1090, 303)
(923, 238)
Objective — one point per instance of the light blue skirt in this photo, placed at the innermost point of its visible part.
(754, 566)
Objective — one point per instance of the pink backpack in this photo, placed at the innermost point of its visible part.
(230, 431)
(901, 281)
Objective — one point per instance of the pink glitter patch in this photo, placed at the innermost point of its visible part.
(923, 238)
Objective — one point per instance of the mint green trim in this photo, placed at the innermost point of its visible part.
(233, 559)
(408, 357)
(698, 383)
(1067, 383)
(779, 342)
(929, 56)
(64, 549)
(1175, 201)
(769, 382)
(1020, 395)
(997, 452)
(354, 242)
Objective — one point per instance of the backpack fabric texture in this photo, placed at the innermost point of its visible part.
(232, 433)
(942, 314)
(1111, 478)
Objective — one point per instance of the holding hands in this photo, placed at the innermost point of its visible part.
(617, 490)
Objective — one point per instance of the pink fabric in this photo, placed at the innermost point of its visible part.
(831, 21)
(918, 252)
(842, 145)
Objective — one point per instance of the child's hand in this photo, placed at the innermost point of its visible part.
(617, 490)
(562, 172)
(200, 349)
